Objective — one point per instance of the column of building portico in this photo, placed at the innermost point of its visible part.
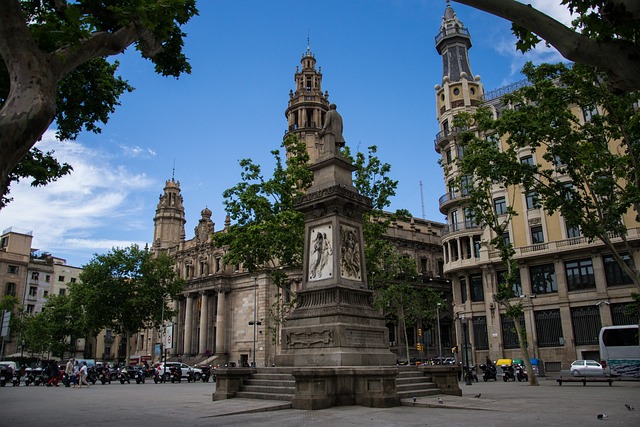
(204, 316)
(188, 325)
(220, 324)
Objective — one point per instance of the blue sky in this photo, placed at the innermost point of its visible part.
(379, 65)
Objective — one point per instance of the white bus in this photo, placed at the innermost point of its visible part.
(620, 349)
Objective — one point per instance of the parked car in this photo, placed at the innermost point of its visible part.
(586, 368)
(197, 372)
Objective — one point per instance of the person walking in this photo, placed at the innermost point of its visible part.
(83, 375)
(54, 374)
(68, 370)
(76, 374)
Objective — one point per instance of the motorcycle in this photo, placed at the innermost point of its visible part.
(489, 372)
(521, 374)
(508, 373)
(104, 376)
(139, 375)
(124, 376)
(206, 374)
(176, 374)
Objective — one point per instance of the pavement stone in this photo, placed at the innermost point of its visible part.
(162, 405)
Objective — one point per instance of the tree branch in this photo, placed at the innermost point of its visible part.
(620, 57)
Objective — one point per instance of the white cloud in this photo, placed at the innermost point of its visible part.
(76, 212)
(137, 151)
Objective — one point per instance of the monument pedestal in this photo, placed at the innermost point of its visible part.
(339, 342)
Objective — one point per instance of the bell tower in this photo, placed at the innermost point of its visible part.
(307, 105)
(168, 230)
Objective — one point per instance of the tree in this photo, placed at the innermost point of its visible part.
(605, 34)
(127, 290)
(53, 54)
(587, 139)
(55, 329)
(402, 299)
(372, 180)
(269, 232)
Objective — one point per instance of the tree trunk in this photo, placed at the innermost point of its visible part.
(525, 352)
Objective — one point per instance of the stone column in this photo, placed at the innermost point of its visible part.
(188, 325)
(204, 320)
(220, 324)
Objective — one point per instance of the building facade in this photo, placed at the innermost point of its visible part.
(570, 287)
(32, 277)
(217, 309)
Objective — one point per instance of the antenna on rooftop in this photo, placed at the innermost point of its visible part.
(173, 171)
(422, 200)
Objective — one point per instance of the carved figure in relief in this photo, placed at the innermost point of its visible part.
(321, 252)
(350, 262)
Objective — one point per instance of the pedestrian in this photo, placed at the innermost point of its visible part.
(76, 374)
(83, 375)
(68, 370)
(54, 373)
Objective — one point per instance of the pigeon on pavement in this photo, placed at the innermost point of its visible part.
(601, 416)
(478, 395)
(629, 407)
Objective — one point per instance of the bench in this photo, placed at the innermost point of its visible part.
(585, 380)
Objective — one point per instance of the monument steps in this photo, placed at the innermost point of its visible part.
(413, 383)
(269, 384)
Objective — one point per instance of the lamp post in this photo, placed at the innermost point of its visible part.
(439, 333)
(465, 356)
(255, 322)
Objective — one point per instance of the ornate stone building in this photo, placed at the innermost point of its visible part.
(220, 301)
(570, 287)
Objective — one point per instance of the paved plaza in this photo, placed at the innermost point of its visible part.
(159, 405)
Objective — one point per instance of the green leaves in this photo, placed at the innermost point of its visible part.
(268, 230)
(585, 141)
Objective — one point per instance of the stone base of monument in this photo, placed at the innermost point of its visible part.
(324, 387)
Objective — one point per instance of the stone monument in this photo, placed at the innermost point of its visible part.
(336, 340)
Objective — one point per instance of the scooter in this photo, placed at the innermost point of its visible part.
(489, 372)
(508, 373)
(176, 375)
(521, 374)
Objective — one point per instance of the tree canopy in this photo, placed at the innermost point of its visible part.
(54, 66)
(605, 34)
(127, 290)
(585, 138)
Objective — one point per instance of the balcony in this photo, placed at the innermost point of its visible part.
(460, 226)
(450, 198)
(446, 135)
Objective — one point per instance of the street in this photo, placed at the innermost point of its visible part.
(500, 404)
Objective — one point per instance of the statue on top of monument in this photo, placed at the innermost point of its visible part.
(331, 133)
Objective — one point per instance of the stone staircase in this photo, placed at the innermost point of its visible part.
(411, 382)
(269, 384)
(279, 384)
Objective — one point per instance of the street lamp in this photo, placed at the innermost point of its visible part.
(465, 356)
(255, 322)
(439, 335)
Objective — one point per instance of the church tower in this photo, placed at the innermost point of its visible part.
(307, 105)
(168, 230)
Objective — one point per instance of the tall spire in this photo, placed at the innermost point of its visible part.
(453, 43)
